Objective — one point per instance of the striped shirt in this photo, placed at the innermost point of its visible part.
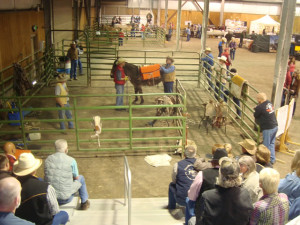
(271, 209)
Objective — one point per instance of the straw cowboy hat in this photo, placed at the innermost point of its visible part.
(208, 49)
(120, 60)
(61, 77)
(169, 57)
(223, 58)
(224, 39)
(249, 145)
(26, 164)
(263, 154)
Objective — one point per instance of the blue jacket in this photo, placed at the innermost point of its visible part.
(290, 186)
(184, 179)
(209, 61)
(294, 209)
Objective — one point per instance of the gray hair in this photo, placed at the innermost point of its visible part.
(261, 96)
(269, 180)
(190, 152)
(249, 162)
(229, 175)
(10, 189)
(61, 145)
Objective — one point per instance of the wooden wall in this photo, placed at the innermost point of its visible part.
(15, 34)
(296, 28)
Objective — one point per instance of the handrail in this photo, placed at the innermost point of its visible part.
(127, 187)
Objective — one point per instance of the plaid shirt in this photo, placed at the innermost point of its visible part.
(271, 209)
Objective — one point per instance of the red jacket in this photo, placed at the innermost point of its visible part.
(228, 61)
(121, 69)
(121, 35)
(288, 79)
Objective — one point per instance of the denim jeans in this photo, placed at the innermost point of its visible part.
(80, 66)
(188, 37)
(220, 50)
(120, 90)
(208, 76)
(269, 141)
(73, 68)
(68, 114)
(60, 218)
(217, 87)
(172, 197)
(235, 100)
(168, 87)
(120, 41)
(83, 194)
(232, 54)
(189, 210)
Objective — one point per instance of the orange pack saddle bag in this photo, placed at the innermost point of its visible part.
(150, 72)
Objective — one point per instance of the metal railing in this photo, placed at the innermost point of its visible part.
(221, 91)
(127, 188)
(134, 138)
(37, 67)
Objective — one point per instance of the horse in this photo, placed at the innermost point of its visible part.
(135, 77)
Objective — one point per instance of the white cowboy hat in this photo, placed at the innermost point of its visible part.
(224, 39)
(223, 58)
(26, 164)
(120, 60)
(208, 49)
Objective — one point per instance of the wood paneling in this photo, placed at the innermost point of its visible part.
(296, 29)
(15, 34)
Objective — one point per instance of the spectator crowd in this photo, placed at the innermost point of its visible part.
(26, 199)
(240, 190)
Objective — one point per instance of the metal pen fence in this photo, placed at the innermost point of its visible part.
(130, 132)
(211, 79)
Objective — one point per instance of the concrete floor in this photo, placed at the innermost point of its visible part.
(104, 175)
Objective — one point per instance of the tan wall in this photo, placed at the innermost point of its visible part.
(296, 25)
(15, 34)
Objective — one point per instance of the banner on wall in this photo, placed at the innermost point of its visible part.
(284, 117)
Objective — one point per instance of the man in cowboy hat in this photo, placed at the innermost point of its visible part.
(209, 177)
(227, 203)
(248, 148)
(263, 156)
(10, 151)
(10, 199)
(39, 204)
(208, 62)
(120, 79)
(168, 74)
(73, 55)
(221, 75)
(61, 172)
(61, 91)
(264, 113)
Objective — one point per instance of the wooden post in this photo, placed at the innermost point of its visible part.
(178, 25)
(166, 15)
(48, 23)
(204, 25)
(284, 43)
(222, 12)
(158, 12)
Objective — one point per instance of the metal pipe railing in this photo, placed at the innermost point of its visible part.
(127, 187)
(246, 108)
